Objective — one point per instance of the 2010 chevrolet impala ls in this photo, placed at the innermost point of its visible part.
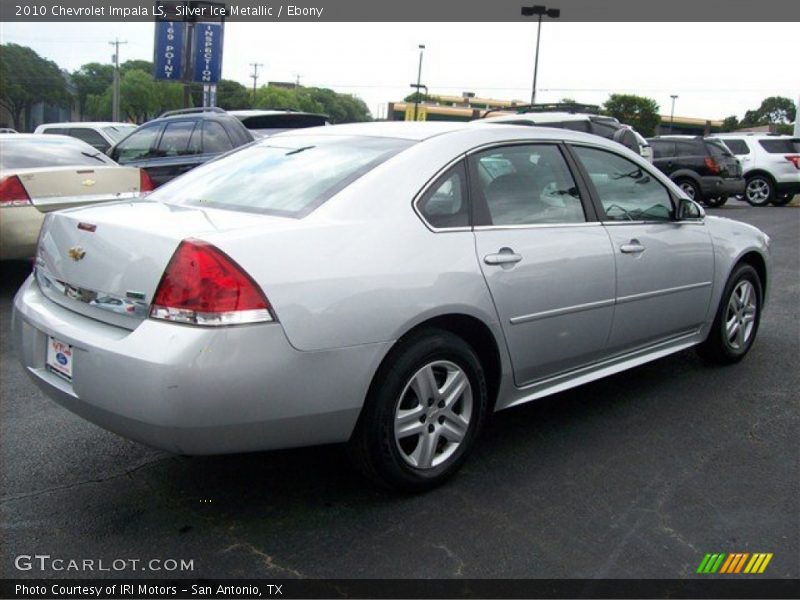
(386, 285)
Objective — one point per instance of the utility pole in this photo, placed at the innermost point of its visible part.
(419, 80)
(115, 90)
(254, 76)
(297, 77)
(672, 114)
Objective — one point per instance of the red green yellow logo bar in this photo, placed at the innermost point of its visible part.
(737, 562)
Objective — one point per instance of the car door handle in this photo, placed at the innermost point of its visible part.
(632, 247)
(506, 256)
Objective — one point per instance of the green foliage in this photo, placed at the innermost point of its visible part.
(341, 108)
(730, 123)
(231, 95)
(141, 98)
(26, 78)
(91, 79)
(638, 111)
(136, 65)
(773, 110)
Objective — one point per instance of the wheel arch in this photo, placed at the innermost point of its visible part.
(757, 261)
(761, 172)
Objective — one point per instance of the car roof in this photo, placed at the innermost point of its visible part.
(424, 130)
(548, 117)
(754, 134)
(43, 139)
(258, 113)
(88, 124)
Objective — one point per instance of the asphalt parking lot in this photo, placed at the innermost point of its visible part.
(637, 475)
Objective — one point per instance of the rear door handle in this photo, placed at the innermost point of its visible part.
(632, 247)
(505, 256)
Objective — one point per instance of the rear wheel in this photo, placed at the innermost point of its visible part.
(736, 322)
(759, 190)
(715, 202)
(690, 188)
(423, 413)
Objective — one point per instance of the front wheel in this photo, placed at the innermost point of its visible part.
(738, 315)
(423, 413)
(759, 190)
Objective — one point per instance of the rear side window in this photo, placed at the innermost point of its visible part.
(283, 176)
(572, 125)
(215, 138)
(90, 136)
(738, 147)
(445, 204)
(45, 151)
(781, 146)
(605, 130)
(528, 184)
(138, 146)
(56, 130)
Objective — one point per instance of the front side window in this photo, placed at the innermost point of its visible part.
(738, 147)
(138, 146)
(526, 185)
(175, 141)
(445, 205)
(626, 190)
(284, 176)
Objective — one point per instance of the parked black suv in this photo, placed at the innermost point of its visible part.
(703, 168)
(180, 140)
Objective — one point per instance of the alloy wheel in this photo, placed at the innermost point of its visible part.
(757, 191)
(433, 414)
(740, 315)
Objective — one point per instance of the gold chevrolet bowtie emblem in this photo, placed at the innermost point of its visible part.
(76, 253)
(88, 182)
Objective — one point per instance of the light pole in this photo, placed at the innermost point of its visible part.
(419, 79)
(672, 114)
(539, 11)
(254, 77)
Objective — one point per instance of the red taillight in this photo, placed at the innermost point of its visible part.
(203, 286)
(794, 159)
(711, 164)
(145, 183)
(12, 192)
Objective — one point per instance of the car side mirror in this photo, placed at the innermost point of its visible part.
(689, 210)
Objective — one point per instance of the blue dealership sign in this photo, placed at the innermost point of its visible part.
(170, 41)
(207, 53)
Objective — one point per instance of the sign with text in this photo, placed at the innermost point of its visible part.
(207, 53)
(168, 60)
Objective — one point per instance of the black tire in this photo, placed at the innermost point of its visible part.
(782, 199)
(690, 188)
(715, 202)
(373, 447)
(718, 347)
(759, 190)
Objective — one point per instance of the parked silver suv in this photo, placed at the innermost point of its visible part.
(770, 164)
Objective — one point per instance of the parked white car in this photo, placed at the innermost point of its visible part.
(770, 165)
(101, 134)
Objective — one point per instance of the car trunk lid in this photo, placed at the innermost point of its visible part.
(106, 261)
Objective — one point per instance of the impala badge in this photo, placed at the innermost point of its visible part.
(76, 253)
(88, 182)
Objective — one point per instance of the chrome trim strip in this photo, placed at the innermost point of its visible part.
(71, 200)
(664, 292)
(537, 226)
(100, 300)
(557, 312)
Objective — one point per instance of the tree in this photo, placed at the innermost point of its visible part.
(341, 108)
(26, 79)
(730, 123)
(231, 95)
(91, 79)
(638, 111)
(774, 110)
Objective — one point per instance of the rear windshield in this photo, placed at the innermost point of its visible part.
(284, 175)
(117, 132)
(49, 151)
(781, 146)
(287, 121)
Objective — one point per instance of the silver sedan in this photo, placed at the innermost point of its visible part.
(387, 285)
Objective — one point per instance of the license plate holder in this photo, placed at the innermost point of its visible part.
(59, 358)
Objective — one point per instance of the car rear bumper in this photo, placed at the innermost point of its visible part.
(711, 187)
(193, 390)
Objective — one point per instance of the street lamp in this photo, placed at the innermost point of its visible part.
(419, 84)
(539, 11)
(672, 114)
